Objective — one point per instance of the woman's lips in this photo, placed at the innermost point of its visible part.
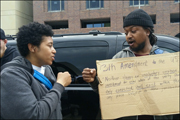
(53, 58)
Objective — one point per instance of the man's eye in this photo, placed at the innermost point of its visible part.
(133, 31)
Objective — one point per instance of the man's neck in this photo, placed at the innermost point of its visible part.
(2, 52)
(144, 51)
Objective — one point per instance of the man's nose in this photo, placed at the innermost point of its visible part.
(128, 36)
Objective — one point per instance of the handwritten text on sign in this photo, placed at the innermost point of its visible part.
(147, 85)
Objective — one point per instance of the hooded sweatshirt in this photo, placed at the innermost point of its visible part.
(9, 54)
(24, 97)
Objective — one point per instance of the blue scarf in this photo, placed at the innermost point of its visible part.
(42, 79)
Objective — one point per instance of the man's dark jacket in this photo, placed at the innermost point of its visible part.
(9, 54)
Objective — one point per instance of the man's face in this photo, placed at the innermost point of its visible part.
(137, 37)
(2, 47)
(45, 53)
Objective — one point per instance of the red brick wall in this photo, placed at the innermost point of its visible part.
(115, 10)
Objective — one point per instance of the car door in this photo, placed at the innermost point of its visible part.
(73, 54)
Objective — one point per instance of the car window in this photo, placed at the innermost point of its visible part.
(80, 53)
(168, 46)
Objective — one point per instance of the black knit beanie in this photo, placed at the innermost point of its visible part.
(138, 17)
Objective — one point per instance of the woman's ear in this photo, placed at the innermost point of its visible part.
(31, 47)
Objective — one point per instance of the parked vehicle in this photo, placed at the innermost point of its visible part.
(74, 52)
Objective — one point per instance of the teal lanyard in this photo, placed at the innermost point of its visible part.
(42, 79)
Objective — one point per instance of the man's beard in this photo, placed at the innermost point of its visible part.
(139, 47)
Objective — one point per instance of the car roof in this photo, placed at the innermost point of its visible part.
(93, 32)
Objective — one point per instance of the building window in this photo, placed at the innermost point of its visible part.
(58, 24)
(138, 2)
(174, 18)
(153, 17)
(93, 23)
(176, 1)
(94, 4)
(55, 5)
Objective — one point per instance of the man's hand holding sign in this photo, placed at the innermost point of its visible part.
(146, 85)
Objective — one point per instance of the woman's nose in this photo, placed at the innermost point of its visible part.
(54, 50)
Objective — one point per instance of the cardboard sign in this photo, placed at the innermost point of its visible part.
(147, 85)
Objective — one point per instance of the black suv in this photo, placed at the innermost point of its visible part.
(74, 52)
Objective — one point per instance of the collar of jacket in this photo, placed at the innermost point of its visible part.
(154, 47)
(25, 62)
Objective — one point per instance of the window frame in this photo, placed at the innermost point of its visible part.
(100, 5)
(96, 23)
(60, 5)
(178, 1)
(145, 4)
(58, 25)
(174, 17)
(153, 17)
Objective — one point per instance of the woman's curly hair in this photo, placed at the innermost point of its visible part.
(32, 33)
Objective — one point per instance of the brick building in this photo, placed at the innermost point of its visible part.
(81, 16)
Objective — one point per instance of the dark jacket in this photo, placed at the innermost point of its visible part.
(9, 54)
(24, 97)
(128, 53)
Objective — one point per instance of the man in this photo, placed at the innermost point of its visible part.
(138, 27)
(6, 53)
(29, 89)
